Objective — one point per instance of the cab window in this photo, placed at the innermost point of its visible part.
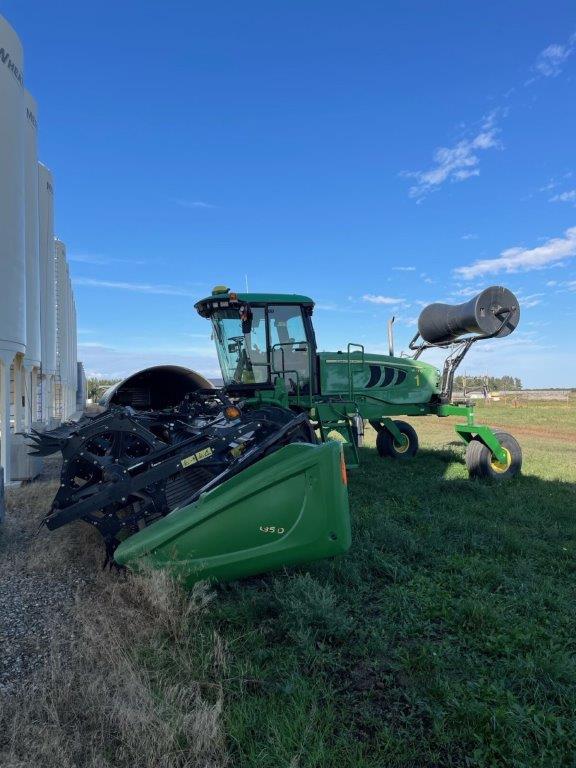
(289, 348)
(243, 357)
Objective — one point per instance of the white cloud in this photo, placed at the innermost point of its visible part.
(456, 163)
(161, 290)
(551, 60)
(570, 285)
(375, 299)
(404, 269)
(527, 302)
(549, 186)
(193, 204)
(333, 307)
(99, 259)
(550, 254)
(89, 258)
(409, 321)
(467, 292)
(470, 236)
(565, 197)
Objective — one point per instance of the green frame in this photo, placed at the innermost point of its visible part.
(338, 416)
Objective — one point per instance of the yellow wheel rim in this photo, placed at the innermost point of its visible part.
(404, 446)
(501, 466)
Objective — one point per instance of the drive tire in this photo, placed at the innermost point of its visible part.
(386, 444)
(482, 464)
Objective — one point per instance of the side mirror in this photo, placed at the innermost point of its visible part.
(246, 318)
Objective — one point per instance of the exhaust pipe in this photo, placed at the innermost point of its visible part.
(391, 336)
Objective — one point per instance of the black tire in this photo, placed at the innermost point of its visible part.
(481, 462)
(387, 445)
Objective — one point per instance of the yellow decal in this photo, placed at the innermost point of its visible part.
(204, 454)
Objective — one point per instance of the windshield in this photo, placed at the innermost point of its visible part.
(242, 356)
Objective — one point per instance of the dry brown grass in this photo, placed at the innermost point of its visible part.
(97, 706)
(100, 701)
(75, 547)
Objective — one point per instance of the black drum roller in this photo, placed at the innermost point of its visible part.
(493, 312)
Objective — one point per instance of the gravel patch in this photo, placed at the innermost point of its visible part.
(37, 585)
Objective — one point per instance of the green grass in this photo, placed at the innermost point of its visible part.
(445, 637)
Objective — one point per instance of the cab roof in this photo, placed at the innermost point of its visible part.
(222, 294)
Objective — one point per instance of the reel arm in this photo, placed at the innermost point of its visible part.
(454, 359)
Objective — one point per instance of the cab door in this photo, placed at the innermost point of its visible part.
(291, 351)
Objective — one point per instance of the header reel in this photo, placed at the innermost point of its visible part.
(493, 313)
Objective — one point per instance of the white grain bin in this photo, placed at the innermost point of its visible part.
(47, 270)
(63, 329)
(75, 355)
(81, 390)
(73, 352)
(12, 260)
(62, 317)
(70, 379)
(31, 240)
(12, 257)
(47, 289)
(31, 364)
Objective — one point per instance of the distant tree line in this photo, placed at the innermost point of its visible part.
(95, 387)
(491, 382)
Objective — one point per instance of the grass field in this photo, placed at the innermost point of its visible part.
(445, 637)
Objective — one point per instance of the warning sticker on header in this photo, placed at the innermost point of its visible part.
(204, 454)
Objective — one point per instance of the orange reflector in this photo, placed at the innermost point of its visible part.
(343, 469)
(231, 412)
(233, 296)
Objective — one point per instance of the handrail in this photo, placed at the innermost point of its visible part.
(284, 370)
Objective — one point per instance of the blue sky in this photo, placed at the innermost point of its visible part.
(376, 156)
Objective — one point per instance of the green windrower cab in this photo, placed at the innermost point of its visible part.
(267, 352)
(230, 482)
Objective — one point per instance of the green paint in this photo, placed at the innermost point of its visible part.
(289, 508)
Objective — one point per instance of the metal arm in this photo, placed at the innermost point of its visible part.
(453, 360)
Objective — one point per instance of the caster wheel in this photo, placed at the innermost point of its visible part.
(482, 463)
(387, 446)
